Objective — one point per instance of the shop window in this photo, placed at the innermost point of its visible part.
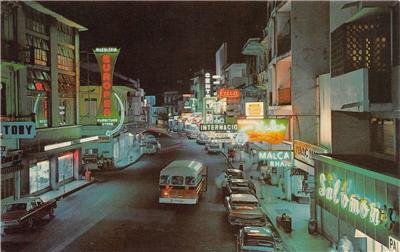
(39, 177)
(383, 136)
(65, 59)
(7, 188)
(66, 167)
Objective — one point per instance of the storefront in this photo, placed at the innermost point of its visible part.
(302, 175)
(39, 177)
(65, 168)
(358, 203)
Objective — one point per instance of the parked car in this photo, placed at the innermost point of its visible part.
(244, 210)
(231, 174)
(23, 213)
(191, 134)
(201, 139)
(234, 184)
(255, 239)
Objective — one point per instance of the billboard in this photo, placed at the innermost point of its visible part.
(254, 109)
(272, 131)
(106, 57)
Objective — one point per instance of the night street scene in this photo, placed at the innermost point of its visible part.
(200, 126)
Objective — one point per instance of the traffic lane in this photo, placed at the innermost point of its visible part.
(81, 210)
(147, 225)
(99, 204)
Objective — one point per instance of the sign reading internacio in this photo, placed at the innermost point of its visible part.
(277, 158)
(218, 127)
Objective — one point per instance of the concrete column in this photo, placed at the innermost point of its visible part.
(77, 74)
(17, 183)
(77, 163)
(53, 173)
(54, 98)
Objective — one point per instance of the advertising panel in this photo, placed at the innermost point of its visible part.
(254, 110)
(20, 130)
(282, 158)
(218, 127)
(263, 130)
(305, 152)
(366, 200)
(106, 57)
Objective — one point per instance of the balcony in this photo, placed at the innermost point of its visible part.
(357, 91)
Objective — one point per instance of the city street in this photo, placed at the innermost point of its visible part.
(123, 213)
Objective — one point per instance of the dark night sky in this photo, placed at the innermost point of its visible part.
(162, 42)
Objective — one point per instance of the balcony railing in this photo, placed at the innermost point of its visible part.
(284, 96)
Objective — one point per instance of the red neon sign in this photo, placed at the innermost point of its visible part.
(106, 83)
(229, 93)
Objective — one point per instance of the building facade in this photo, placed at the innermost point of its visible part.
(39, 93)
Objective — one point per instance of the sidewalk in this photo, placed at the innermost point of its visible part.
(299, 239)
(60, 193)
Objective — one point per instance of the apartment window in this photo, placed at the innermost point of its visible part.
(8, 24)
(383, 136)
(3, 99)
(67, 111)
(38, 51)
(66, 85)
(36, 22)
(65, 34)
(90, 106)
(65, 59)
(365, 43)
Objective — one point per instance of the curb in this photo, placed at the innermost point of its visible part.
(66, 194)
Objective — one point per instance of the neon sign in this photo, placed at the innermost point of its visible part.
(354, 204)
(106, 57)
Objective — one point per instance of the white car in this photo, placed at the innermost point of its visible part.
(214, 148)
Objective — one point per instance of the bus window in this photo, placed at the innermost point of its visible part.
(190, 180)
(164, 180)
(177, 180)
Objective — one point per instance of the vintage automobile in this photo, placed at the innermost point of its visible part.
(236, 184)
(255, 239)
(153, 142)
(23, 213)
(244, 210)
(213, 147)
(231, 174)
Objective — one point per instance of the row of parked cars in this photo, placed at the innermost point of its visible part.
(244, 210)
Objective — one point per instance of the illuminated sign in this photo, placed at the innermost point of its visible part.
(20, 130)
(264, 130)
(229, 93)
(107, 121)
(106, 57)
(218, 127)
(207, 84)
(394, 244)
(335, 191)
(305, 152)
(277, 158)
(254, 109)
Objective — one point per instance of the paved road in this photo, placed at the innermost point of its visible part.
(122, 213)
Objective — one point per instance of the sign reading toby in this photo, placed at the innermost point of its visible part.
(19, 130)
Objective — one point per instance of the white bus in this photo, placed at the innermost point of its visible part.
(182, 182)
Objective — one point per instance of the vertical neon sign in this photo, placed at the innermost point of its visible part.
(106, 57)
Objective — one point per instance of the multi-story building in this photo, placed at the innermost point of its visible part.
(171, 102)
(120, 144)
(360, 126)
(39, 87)
(197, 88)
